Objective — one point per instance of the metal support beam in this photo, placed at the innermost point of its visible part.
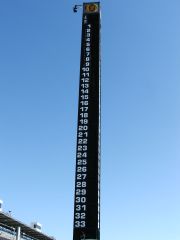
(18, 233)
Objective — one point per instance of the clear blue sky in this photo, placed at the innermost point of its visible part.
(39, 74)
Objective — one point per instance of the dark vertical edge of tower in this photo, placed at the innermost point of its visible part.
(99, 156)
(81, 63)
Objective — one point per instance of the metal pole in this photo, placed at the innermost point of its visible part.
(18, 233)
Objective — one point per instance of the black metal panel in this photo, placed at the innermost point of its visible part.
(87, 179)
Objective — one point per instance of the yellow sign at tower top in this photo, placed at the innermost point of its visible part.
(91, 8)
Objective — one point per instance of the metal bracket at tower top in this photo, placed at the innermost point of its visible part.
(76, 7)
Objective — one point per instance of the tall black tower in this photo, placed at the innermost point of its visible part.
(87, 178)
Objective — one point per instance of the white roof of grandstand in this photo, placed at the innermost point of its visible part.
(7, 220)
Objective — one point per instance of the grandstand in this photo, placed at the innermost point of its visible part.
(12, 229)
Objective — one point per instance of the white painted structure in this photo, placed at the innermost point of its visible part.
(37, 226)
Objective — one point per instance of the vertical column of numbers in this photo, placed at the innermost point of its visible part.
(82, 136)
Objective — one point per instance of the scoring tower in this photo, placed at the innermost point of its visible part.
(87, 178)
